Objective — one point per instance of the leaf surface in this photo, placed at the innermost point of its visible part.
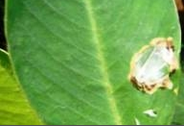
(179, 108)
(72, 58)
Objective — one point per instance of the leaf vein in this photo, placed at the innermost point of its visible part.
(100, 55)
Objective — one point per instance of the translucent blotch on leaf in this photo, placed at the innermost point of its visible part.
(151, 66)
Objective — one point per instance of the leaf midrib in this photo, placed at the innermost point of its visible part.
(103, 67)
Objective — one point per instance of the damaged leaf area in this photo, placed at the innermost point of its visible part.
(152, 66)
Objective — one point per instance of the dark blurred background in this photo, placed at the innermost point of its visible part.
(2, 36)
(179, 4)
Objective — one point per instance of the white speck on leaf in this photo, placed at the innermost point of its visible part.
(150, 113)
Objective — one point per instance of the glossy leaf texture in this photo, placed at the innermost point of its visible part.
(14, 106)
(72, 58)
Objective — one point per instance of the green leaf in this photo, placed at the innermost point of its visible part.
(179, 110)
(72, 58)
(14, 106)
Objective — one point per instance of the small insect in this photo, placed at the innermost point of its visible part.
(151, 67)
